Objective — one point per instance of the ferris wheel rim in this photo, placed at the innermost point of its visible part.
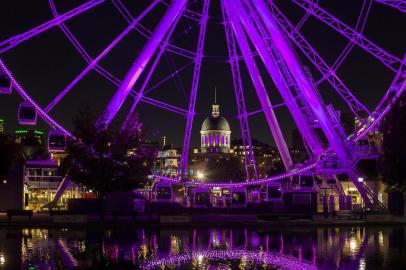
(55, 125)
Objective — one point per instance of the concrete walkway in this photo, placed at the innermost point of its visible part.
(45, 220)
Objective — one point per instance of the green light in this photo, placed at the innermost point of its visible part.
(38, 132)
(21, 131)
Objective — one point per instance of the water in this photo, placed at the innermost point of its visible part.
(205, 248)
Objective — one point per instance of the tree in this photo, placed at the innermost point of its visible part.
(105, 159)
(393, 159)
(10, 154)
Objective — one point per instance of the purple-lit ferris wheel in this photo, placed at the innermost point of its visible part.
(262, 40)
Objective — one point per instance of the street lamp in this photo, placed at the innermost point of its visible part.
(200, 175)
(360, 179)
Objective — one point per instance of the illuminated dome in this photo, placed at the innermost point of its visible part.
(215, 133)
(215, 123)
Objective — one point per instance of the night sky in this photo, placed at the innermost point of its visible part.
(45, 64)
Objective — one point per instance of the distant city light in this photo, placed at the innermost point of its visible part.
(4, 181)
(360, 179)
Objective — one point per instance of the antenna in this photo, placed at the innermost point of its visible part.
(215, 94)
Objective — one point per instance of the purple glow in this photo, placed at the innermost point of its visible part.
(24, 95)
(234, 15)
(249, 160)
(328, 73)
(142, 60)
(240, 184)
(306, 88)
(17, 39)
(389, 60)
(273, 259)
(183, 166)
(82, 51)
(398, 4)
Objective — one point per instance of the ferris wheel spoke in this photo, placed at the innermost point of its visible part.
(398, 4)
(141, 61)
(142, 92)
(328, 73)
(396, 89)
(145, 32)
(249, 160)
(167, 78)
(279, 73)
(92, 64)
(389, 60)
(359, 27)
(69, 35)
(115, 81)
(258, 82)
(182, 171)
(123, 10)
(306, 91)
(190, 14)
(18, 39)
(305, 17)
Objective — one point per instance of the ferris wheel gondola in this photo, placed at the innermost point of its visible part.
(5, 84)
(27, 114)
(56, 141)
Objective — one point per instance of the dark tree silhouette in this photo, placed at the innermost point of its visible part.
(10, 154)
(393, 159)
(105, 159)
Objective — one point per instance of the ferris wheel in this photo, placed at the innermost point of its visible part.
(257, 33)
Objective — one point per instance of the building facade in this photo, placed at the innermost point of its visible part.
(215, 134)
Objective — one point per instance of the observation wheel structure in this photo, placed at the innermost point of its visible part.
(262, 40)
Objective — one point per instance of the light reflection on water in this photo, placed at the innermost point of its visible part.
(205, 248)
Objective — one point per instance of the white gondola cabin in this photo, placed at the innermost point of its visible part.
(56, 141)
(27, 115)
(5, 85)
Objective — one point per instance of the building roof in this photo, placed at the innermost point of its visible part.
(215, 121)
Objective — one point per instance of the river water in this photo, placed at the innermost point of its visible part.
(274, 247)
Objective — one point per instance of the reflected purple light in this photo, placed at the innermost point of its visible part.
(274, 259)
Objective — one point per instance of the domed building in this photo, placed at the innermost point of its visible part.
(215, 133)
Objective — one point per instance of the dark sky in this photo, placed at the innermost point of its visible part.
(45, 64)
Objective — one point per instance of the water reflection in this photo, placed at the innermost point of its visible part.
(205, 248)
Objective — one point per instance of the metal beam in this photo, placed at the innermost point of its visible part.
(327, 72)
(249, 158)
(141, 62)
(183, 165)
(17, 39)
(389, 60)
(91, 63)
(258, 83)
(306, 87)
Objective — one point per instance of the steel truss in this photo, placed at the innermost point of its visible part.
(389, 60)
(328, 73)
(183, 165)
(249, 158)
(258, 84)
(141, 61)
(398, 4)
